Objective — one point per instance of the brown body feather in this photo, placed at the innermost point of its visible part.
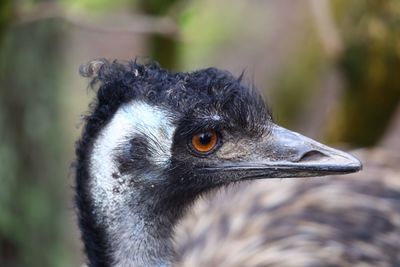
(349, 220)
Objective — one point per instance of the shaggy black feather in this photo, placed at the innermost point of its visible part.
(193, 98)
(193, 94)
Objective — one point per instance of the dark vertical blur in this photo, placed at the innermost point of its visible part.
(5, 12)
(164, 49)
(31, 148)
(370, 63)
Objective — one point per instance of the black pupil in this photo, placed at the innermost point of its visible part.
(205, 138)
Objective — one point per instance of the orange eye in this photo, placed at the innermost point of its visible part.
(205, 142)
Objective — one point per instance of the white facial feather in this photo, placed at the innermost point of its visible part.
(124, 226)
(135, 118)
(130, 120)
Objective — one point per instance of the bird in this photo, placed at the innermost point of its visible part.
(155, 141)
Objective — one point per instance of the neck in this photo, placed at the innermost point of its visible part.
(127, 229)
(137, 235)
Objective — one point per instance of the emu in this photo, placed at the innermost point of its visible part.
(154, 141)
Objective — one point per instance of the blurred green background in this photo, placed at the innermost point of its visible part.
(329, 68)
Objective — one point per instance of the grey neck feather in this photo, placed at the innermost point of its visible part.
(136, 237)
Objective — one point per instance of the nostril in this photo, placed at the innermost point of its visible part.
(312, 155)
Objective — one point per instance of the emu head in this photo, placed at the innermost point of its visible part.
(180, 134)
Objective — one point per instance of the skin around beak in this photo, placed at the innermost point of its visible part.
(284, 153)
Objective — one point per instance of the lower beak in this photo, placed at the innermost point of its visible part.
(284, 153)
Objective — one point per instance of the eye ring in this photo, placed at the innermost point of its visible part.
(205, 143)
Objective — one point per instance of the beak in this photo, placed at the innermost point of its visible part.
(284, 153)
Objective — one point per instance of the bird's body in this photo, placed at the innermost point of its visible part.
(155, 141)
(338, 221)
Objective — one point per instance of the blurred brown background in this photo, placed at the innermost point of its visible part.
(329, 68)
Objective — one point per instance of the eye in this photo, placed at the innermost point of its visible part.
(205, 142)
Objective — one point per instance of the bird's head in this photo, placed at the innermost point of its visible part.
(180, 134)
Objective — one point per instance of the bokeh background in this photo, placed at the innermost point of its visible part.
(329, 68)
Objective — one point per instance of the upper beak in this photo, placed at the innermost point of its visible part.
(284, 153)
